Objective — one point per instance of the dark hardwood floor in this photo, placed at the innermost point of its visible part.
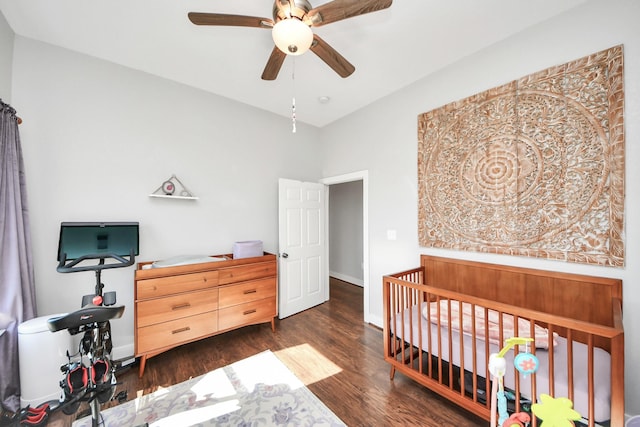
(329, 348)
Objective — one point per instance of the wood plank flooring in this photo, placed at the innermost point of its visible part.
(328, 347)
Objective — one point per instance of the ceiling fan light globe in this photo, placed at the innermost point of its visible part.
(292, 36)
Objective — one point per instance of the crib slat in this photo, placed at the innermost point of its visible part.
(552, 358)
(591, 385)
(570, 371)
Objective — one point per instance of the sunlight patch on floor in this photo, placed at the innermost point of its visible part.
(199, 415)
(213, 384)
(215, 380)
(307, 363)
(161, 393)
(258, 390)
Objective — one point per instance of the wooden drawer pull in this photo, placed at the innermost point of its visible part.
(181, 306)
(249, 311)
(177, 331)
(250, 291)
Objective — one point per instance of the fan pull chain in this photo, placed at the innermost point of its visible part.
(293, 115)
(293, 103)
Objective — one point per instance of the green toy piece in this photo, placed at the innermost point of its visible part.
(555, 412)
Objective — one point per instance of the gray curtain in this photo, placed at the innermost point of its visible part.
(17, 290)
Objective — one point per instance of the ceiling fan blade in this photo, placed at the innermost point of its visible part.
(331, 57)
(338, 10)
(199, 18)
(274, 64)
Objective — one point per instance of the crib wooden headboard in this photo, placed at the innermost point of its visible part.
(559, 294)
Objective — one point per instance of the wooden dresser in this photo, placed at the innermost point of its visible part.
(181, 304)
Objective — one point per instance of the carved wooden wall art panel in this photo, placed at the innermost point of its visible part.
(532, 168)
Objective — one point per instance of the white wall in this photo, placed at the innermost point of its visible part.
(382, 139)
(6, 53)
(345, 232)
(98, 138)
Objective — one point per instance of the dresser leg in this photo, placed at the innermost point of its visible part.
(143, 362)
(273, 324)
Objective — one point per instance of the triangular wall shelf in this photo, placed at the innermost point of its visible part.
(173, 188)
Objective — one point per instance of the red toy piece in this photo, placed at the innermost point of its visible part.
(519, 419)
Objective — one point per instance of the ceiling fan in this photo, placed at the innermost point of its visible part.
(291, 29)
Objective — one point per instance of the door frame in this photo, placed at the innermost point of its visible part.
(340, 179)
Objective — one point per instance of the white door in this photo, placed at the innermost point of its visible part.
(302, 262)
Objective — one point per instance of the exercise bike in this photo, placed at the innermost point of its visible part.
(90, 373)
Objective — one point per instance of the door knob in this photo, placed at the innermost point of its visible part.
(285, 255)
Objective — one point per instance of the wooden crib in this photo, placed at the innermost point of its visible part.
(444, 318)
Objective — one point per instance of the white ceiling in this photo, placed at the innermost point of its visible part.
(390, 49)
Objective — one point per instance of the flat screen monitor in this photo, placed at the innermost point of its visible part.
(94, 239)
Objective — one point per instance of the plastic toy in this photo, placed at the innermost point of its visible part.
(555, 412)
(519, 419)
(525, 363)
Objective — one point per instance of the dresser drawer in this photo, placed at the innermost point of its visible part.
(247, 313)
(174, 307)
(175, 332)
(247, 291)
(161, 286)
(242, 273)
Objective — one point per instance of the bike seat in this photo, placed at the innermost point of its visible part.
(86, 315)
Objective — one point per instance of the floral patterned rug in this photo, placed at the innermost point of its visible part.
(257, 391)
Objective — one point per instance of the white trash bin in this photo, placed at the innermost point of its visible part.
(633, 421)
(41, 353)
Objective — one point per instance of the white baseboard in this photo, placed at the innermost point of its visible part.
(374, 320)
(347, 278)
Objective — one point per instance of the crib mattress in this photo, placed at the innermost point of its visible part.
(407, 327)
